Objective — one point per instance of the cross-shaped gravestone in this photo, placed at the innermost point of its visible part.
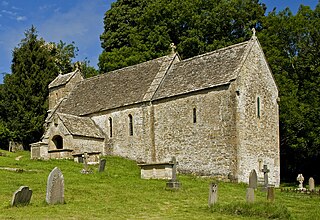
(265, 171)
(174, 183)
(174, 169)
(300, 179)
(85, 161)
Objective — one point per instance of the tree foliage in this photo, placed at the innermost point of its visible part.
(292, 46)
(24, 94)
(140, 30)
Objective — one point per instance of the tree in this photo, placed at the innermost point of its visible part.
(292, 47)
(35, 64)
(140, 30)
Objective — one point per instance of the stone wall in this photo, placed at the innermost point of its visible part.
(121, 143)
(205, 146)
(257, 119)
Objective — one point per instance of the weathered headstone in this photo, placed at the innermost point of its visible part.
(250, 195)
(265, 171)
(213, 194)
(102, 165)
(253, 179)
(300, 179)
(85, 169)
(174, 182)
(270, 193)
(22, 196)
(55, 187)
(311, 184)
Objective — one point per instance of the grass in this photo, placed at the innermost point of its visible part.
(119, 193)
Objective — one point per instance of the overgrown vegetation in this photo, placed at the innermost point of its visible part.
(119, 193)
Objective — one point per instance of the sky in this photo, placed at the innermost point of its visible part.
(79, 21)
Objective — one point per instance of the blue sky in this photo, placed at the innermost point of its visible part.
(80, 21)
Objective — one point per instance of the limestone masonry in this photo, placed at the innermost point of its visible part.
(217, 113)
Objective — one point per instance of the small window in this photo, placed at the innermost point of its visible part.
(258, 107)
(110, 126)
(194, 115)
(58, 141)
(130, 125)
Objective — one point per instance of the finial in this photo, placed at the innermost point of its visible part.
(253, 32)
(173, 48)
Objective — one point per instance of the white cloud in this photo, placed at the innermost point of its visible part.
(21, 18)
(4, 3)
(9, 12)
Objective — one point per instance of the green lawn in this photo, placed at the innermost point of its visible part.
(119, 193)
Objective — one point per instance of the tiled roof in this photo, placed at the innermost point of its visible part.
(203, 71)
(62, 79)
(81, 126)
(115, 89)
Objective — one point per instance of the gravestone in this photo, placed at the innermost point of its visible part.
(250, 195)
(265, 171)
(55, 187)
(22, 196)
(85, 169)
(102, 165)
(270, 193)
(174, 182)
(213, 194)
(311, 184)
(300, 179)
(253, 179)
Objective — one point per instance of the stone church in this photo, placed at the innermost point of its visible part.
(217, 113)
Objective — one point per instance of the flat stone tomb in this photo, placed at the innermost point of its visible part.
(55, 187)
(22, 196)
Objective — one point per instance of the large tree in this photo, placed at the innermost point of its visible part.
(139, 30)
(292, 46)
(24, 94)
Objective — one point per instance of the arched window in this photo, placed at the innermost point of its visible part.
(194, 115)
(58, 141)
(258, 107)
(130, 125)
(110, 126)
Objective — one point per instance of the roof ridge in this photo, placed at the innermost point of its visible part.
(216, 51)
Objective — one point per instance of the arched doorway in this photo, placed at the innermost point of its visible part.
(58, 141)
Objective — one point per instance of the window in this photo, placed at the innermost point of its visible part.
(58, 141)
(258, 107)
(130, 125)
(110, 126)
(194, 115)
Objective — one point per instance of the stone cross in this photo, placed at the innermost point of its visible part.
(174, 168)
(311, 184)
(55, 187)
(253, 179)
(85, 161)
(173, 48)
(250, 195)
(265, 171)
(22, 196)
(300, 179)
(102, 165)
(213, 194)
(173, 183)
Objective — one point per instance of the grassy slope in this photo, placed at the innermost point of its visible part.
(119, 193)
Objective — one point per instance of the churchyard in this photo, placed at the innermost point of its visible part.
(118, 192)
